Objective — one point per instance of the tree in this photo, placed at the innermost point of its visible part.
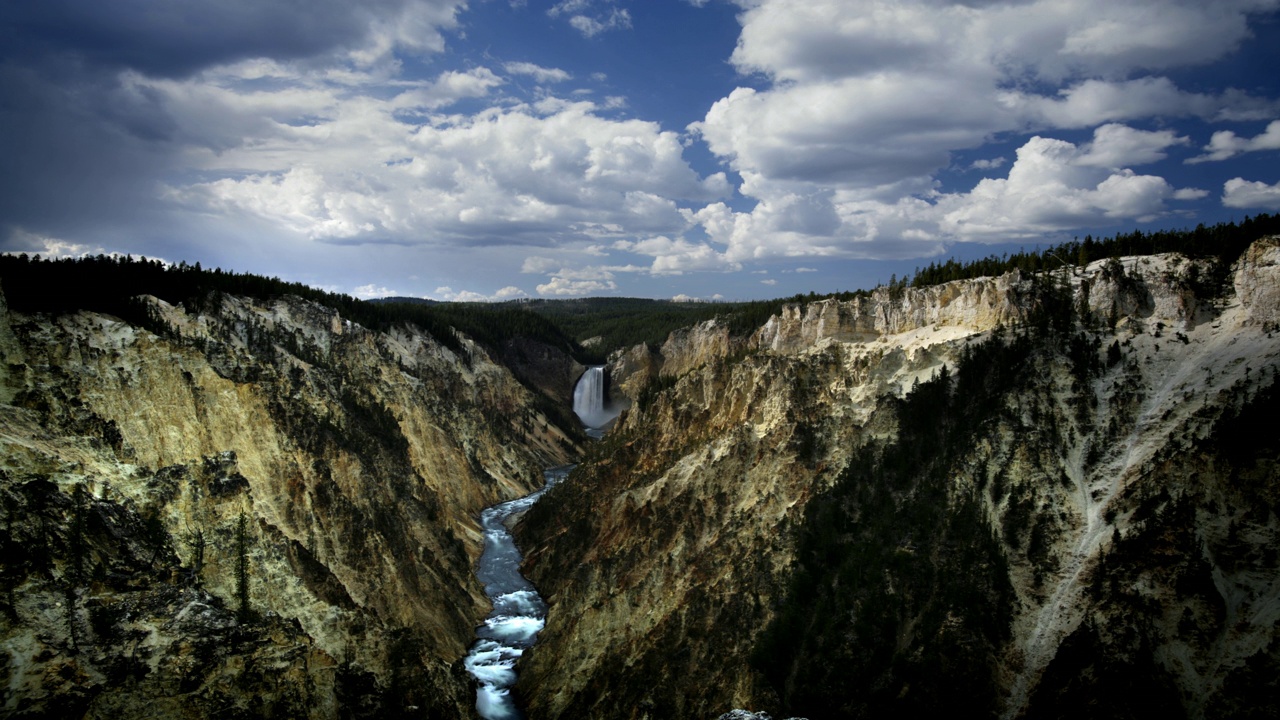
(196, 541)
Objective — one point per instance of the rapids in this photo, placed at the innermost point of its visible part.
(518, 614)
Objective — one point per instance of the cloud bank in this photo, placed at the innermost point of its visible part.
(860, 129)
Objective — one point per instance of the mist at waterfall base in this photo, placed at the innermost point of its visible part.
(590, 401)
(518, 610)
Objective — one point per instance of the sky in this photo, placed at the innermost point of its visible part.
(692, 149)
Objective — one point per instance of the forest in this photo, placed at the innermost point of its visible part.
(110, 284)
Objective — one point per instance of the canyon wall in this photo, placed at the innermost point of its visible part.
(249, 508)
(1048, 495)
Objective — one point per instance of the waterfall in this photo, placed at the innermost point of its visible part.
(590, 401)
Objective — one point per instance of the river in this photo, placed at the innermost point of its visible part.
(518, 614)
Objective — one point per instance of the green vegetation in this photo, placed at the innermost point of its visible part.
(32, 285)
(244, 611)
(68, 285)
(197, 543)
(625, 322)
(1223, 242)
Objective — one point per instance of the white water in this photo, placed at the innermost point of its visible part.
(518, 611)
(589, 401)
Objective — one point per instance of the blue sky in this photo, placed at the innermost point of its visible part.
(493, 149)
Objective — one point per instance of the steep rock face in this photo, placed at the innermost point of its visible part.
(830, 525)
(695, 346)
(149, 473)
(974, 305)
(1258, 281)
(630, 372)
(549, 369)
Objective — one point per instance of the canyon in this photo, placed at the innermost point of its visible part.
(329, 475)
(1020, 496)
(1033, 495)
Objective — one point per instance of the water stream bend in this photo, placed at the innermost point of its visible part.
(518, 614)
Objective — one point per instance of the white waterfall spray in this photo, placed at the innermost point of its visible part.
(590, 402)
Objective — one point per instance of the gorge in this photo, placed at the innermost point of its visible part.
(1026, 494)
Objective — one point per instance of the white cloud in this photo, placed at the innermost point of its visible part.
(869, 99)
(509, 292)
(415, 28)
(567, 287)
(448, 294)
(537, 72)
(50, 248)
(1225, 144)
(587, 18)
(590, 27)
(1117, 146)
(1055, 185)
(769, 281)
(1096, 101)
(1241, 193)
(678, 256)
(358, 167)
(988, 164)
(370, 291)
(584, 280)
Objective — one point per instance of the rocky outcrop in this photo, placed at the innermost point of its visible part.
(974, 306)
(630, 371)
(858, 514)
(253, 505)
(549, 369)
(696, 346)
(1257, 283)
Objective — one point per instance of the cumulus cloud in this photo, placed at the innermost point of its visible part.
(448, 88)
(371, 291)
(1055, 185)
(362, 171)
(1116, 146)
(864, 103)
(1241, 193)
(677, 256)
(448, 294)
(1225, 144)
(842, 142)
(1052, 186)
(567, 287)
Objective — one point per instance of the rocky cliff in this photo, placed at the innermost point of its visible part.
(248, 508)
(1024, 496)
